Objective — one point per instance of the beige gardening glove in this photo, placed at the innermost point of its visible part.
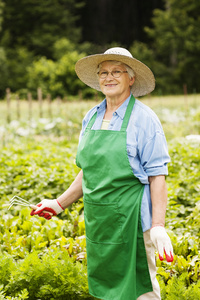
(162, 242)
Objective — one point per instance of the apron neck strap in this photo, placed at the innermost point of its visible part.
(126, 117)
(92, 120)
(128, 113)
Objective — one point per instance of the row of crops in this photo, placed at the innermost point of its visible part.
(42, 259)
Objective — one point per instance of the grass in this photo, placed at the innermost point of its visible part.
(173, 101)
(49, 168)
(60, 108)
(23, 112)
(177, 113)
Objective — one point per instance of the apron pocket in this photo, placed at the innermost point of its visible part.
(103, 223)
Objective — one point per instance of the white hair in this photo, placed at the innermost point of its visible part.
(130, 71)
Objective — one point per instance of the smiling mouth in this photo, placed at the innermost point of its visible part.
(110, 85)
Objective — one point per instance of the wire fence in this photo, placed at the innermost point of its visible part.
(43, 107)
(14, 108)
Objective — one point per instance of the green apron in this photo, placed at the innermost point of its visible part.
(116, 256)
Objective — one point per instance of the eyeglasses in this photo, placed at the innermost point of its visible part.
(115, 74)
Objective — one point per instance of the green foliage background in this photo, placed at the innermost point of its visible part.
(42, 259)
(41, 41)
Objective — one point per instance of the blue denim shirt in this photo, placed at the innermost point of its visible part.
(146, 146)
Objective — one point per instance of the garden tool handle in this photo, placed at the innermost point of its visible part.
(36, 207)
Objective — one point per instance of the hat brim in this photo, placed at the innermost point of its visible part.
(86, 70)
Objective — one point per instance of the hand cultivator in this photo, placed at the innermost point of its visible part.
(16, 200)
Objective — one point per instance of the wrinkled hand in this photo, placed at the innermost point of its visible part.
(46, 208)
(162, 243)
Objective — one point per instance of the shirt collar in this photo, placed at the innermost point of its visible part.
(102, 105)
(120, 111)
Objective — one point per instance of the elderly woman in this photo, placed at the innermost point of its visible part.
(123, 158)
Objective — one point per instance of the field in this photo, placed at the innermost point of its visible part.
(42, 259)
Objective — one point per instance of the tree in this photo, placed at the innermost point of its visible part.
(30, 29)
(36, 25)
(57, 77)
(107, 21)
(176, 44)
(1, 13)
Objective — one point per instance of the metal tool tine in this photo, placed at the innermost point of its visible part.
(10, 206)
(20, 201)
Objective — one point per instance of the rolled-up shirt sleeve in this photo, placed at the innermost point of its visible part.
(154, 155)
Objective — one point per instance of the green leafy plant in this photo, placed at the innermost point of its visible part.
(42, 259)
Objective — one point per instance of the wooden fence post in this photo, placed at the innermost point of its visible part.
(58, 99)
(195, 98)
(18, 107)
(29, 106)
(49, 105)
(185, 98)
(96, 97)
(80, 95)
(39, 93)
(8, 104)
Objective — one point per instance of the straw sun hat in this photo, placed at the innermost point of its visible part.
(86, 69)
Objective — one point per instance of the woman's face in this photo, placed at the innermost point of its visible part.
(115, 87)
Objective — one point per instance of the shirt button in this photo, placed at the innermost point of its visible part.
(114, 114)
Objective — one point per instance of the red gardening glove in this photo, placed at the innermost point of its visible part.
(47, 208)
(162, 243)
